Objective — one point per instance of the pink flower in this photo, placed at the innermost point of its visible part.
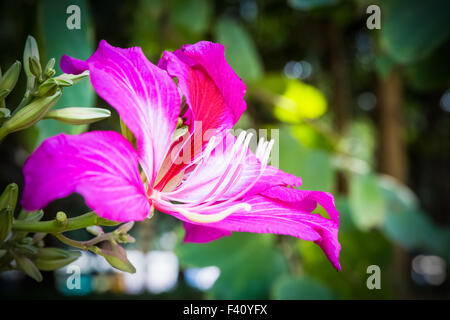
(207, 178)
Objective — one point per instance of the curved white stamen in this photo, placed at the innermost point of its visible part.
(203, 157)
(265, 157)
(230, 156)
(197, 161)
(232, 170)
(259, 147)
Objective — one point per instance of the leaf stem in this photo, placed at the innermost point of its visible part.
(55, 226)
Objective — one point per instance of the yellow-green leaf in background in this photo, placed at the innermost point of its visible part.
(300, 101)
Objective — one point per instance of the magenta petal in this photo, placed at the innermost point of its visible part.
(100, 165)
(146, 98)
(274, 216)
(73, 65)
(213, 91)
(200, 233)
(305, 198)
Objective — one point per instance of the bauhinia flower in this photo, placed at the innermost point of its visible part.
(204, 176)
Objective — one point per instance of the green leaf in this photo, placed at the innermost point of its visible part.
(191, 15)
(248, 263)
(407, 225)
(59, 40)
(366, 202)
(359, 140)
(301, 288)
(240, 51)
(412, 29)
(432, 73)
(345, 220)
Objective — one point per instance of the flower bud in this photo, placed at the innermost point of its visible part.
(6, 221)
(26, 249)
(28, 267)
(35, 67)
(8, 199)
(61, 218)
(48, 259)
(72, 78)
(63, 82)
(75, 115)
(9, 79)
(116, 256)
(30, 216)
(4, 113)
(4, 93)
(50, 67)
(50, 73)
(46, 87)
(31, 51)
(95, 230)
(30, 114)
(125, 238)
(125, 227)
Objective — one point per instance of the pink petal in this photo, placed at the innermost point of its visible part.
(200, 234)
(305, 198)
(213, 92)
(100, 165)
(73, 65)
(272, 216)
(146, 98)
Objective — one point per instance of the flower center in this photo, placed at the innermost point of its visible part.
(211, 207)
